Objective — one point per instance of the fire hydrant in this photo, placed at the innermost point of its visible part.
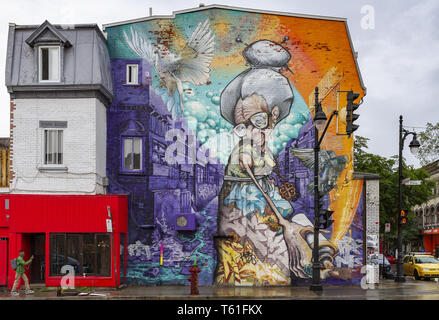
(194, 270)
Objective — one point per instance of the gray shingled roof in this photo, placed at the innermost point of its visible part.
(86, 64)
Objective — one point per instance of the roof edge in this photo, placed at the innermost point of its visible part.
(219, 6)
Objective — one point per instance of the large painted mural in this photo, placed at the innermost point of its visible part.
(214, 144)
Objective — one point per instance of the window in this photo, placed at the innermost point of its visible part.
(132, 154)
(49, 65)
(132, 74)
(53, 146)
(88, 253)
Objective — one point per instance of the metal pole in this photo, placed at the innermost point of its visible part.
(316, 284)
(399, 271)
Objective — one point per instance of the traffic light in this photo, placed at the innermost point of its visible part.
(350, 115)
(324, 215)
(403, 215)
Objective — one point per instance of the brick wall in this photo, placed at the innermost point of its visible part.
(83, 169)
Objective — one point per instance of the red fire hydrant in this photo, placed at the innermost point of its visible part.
(194, 270)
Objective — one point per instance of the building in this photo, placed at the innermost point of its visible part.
(428, 212)
(171, 75)
(59, 81)
(146, 121)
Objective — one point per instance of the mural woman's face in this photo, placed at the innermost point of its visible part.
(260, 127)
(256, 122)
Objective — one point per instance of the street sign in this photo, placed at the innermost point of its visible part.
(409, 182)
(387, 227)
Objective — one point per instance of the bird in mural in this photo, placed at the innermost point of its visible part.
(190, 64)
(330, 167)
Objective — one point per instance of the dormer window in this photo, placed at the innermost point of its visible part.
(49, 63)
(132, 74)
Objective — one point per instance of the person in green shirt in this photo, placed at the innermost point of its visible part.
(19, 273)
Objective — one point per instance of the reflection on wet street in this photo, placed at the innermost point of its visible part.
(386, 290)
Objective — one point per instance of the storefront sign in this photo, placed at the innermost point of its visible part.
(109, 225)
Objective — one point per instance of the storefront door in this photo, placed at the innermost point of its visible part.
(38, 250)
(3, 261)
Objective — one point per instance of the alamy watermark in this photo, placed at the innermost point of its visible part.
(368, 19)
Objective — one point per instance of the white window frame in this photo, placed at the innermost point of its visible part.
(132, 152)
(40, 63)
(44, 147)
(136, 73)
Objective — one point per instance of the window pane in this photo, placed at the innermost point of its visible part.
(135, 74)
(49, 147)
(128, 154)
(54, 64)
(74, 252)
(60, 151)
(103, 257)
(44, 64)
(57, 253)
(130, 74)
(137, 154)
(89, 253)
(46, 158)
(52, 146)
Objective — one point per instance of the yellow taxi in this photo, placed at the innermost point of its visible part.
(421, 265)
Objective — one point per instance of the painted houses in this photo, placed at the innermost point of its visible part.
(191, 122)
(58, 78)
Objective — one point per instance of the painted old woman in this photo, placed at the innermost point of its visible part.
(263, 244)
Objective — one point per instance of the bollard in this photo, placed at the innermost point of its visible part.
(194, 270)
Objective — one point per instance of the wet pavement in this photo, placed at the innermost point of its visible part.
(386, 290)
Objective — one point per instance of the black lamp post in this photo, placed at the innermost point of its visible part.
(319, 122)
(414, 147)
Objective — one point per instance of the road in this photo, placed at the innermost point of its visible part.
(386, 290)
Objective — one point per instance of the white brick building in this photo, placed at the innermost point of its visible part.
(59, 82)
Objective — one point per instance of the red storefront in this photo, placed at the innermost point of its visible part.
(431, 240)
(86, 232)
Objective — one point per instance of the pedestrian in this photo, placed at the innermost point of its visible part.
(19, 274)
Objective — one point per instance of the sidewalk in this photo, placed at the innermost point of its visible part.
(387, 290)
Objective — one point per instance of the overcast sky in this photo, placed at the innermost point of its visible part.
(398, 59)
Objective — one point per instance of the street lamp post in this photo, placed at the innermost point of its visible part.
(319, 124)
(414, 147)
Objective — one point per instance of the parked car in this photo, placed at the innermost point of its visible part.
(386, 262)
(385, 267)
(391, 259)
(421, 266)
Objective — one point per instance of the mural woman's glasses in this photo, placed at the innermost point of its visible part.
(258, 120)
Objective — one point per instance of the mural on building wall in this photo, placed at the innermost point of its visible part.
(227, 143)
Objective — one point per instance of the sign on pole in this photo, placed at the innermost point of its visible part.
(387, 227)
(109, 225)
(409, 182)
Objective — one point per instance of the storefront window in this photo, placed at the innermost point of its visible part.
(103, 254)
(88, 253)
(57, 253)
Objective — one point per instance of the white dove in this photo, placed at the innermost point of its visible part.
(192, 64)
